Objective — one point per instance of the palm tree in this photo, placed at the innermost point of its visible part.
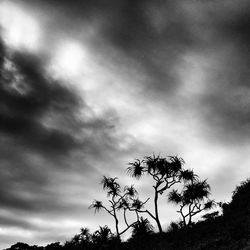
(85, 234)
(142, 228)
(102, 236)
(192, 200)
(118, 201)
(165, 172)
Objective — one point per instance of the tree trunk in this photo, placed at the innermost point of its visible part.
(156, 211)
(116, 227)
(116, 223)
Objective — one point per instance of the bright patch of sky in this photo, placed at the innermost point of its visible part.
(20, 29)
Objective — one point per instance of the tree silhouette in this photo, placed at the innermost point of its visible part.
(240, 198)
(19, 246)
(192, 200)
(141, 228)
(227, 231)
(165, 172)
(82, 240)
(53, 246)
(102, 236)
(119, 200)
(85, 234)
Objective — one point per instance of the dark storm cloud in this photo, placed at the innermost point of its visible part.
(27, 96)
(226, 103)
(156, 35)
(43, 136)
(5, 221)
(153, 34)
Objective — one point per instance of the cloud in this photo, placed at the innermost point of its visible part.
(168, 76)
(224, 104)
(28, 98)
(36, 117)
(52, 140)
(148, 34)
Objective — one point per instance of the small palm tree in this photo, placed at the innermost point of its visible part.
(192, 200)
(141, 228)
(85, 234)
(102, 236)
(118, 201)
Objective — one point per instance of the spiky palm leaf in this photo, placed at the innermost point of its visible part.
(123, 204)
(130, 191)
(162, 166)
(174, 196)
(111, 185)
(137, 204)
(188, 175)
(176, 163)
(151, 162)
(136, 169)
(97, 205)
(196, 191)
(209, 204)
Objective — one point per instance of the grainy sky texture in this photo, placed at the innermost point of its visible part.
(99, 83)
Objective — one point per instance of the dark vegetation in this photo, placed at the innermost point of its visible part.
(230, 230)
(171, 182)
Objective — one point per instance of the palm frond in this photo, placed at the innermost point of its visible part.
(123, 204)
(137, 204)
(142, 227)
(176, 163)
(111, 185)
(136, 169)
(188, 175)
(197, 191)
(151, 162)
(130, 190)
(97, 205)
(174, 196)
(210, 204)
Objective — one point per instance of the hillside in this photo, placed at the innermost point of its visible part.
(230, 231)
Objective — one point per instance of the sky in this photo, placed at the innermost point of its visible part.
(100, 83)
